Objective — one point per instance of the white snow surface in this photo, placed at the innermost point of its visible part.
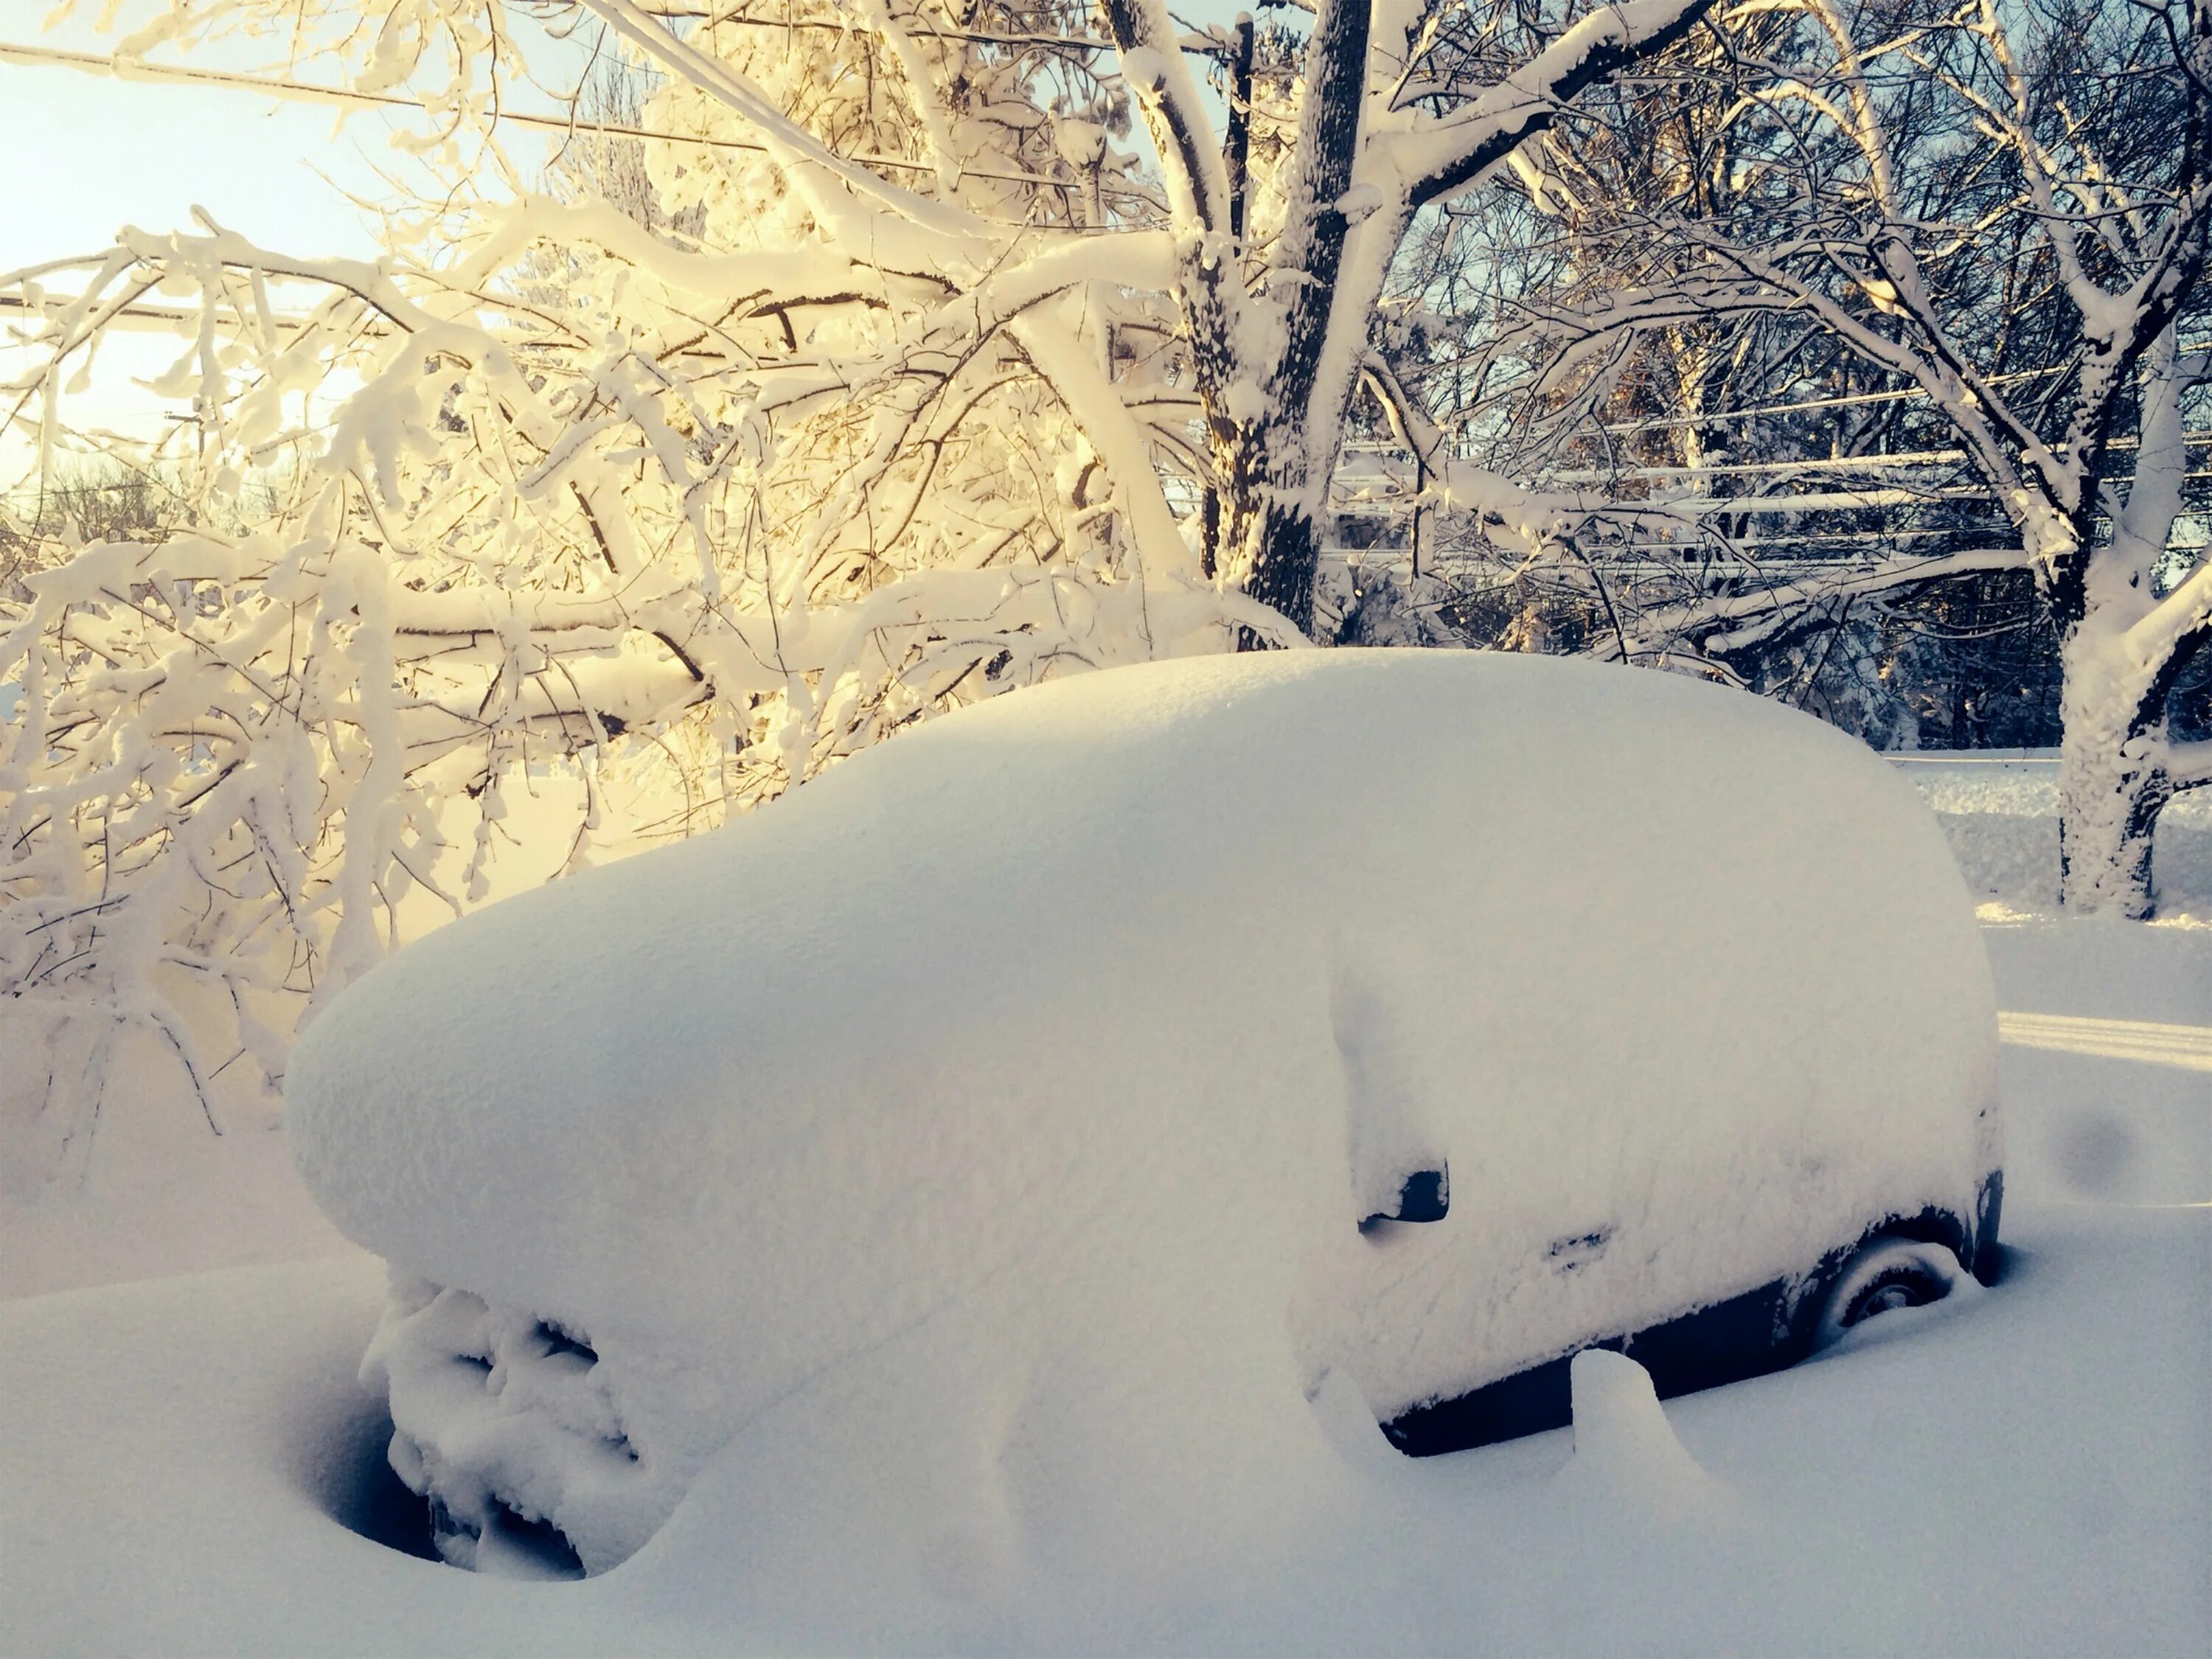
(1001, 1105)
(2024, 1472)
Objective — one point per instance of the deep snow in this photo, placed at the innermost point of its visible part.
(2026, 1471)
(160, 1196)
(1013, 1092)
(2023, 1471)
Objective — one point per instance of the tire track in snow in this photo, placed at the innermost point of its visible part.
(2187, 1047)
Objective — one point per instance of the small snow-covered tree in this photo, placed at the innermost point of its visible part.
(895, 381)
(1999, 215)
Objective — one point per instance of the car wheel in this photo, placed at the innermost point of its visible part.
(1890, 1273)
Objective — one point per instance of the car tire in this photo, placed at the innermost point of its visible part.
(1886, 1273)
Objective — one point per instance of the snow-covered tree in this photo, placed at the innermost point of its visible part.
(895, 382)
(1999, 216)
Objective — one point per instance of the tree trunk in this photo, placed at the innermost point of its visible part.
(1270, 536)
(2111, 785)
(2108, 813)
(1289, 554)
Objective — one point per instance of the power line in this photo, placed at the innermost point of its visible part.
(1878, 463)
(306, 92)
(928, 29)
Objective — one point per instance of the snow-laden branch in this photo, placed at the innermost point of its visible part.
(537, 534)
(1441, 158)
(1153, 65)
(727, 455)
(2028, 298)
(903, 230)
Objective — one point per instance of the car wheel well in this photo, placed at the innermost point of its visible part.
(1891, 1269)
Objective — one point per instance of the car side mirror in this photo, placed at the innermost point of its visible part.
(1424, 1196)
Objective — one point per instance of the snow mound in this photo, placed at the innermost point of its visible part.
(2030, 1480)
(982, 1132)
(1625, 1451)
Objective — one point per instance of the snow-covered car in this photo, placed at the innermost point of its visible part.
(1158, 1043)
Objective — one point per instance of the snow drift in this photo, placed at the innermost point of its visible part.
(973, 1143)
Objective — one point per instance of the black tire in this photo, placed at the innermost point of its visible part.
(1885, 1275)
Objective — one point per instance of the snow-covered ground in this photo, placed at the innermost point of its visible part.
(188, 1465)
(2000, 809)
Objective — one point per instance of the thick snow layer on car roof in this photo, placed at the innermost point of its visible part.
(1009, 1096)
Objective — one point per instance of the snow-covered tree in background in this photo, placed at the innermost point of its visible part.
(1999, 215)
(914, 387)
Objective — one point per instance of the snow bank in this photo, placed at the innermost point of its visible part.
(972, 1142)
(181, 1460)
(1626, 1454)
(2112, 1104)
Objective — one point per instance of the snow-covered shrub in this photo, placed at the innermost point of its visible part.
(529, 538)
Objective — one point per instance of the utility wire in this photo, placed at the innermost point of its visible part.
(91, 63)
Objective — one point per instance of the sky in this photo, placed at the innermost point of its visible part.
(86, 156)
(81, 156)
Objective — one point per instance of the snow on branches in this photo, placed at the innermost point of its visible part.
(1970, 242)
(855, 371)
